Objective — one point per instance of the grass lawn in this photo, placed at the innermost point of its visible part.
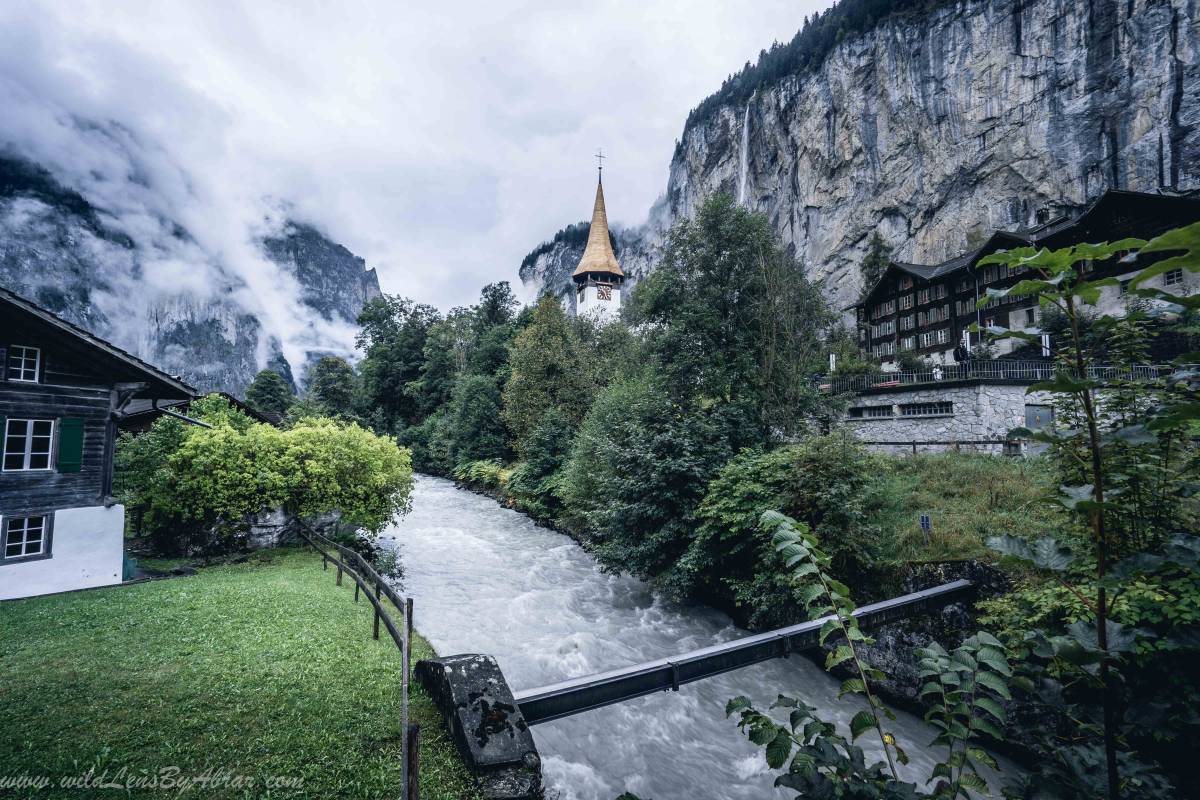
(968, 498)
(259, 669)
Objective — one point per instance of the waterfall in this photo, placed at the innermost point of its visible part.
(743, 168)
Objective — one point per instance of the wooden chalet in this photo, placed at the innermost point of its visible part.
(61, 392)
(925, 309)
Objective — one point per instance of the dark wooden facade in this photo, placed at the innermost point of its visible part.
(925, 309)
(80, 385)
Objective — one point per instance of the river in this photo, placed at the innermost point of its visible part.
(486, 579)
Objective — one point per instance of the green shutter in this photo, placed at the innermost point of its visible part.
(70, 444)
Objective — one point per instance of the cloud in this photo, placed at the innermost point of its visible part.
(440, 141)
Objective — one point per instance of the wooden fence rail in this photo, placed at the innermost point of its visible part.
(367, 581)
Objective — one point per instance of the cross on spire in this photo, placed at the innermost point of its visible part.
(600, 161)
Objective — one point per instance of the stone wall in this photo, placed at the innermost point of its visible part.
(979, 411)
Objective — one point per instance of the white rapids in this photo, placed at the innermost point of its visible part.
(486, 579)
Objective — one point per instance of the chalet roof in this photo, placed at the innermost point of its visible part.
(160, 385)
(1092, 220)
(598, 256)
(136, 409)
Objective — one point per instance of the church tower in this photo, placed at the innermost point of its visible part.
(598, 278)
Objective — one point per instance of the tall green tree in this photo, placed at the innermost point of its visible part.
(476, 431)
(876, 260)
(733, 321)
(638, 470)
(269, 393)
(331, 385)
(393, 336)
(547, 372)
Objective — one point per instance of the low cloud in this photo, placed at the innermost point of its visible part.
(441, 142)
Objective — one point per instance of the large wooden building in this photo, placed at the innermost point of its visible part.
(61, 392)
(925, 309)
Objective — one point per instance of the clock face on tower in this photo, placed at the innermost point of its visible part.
(604, 293)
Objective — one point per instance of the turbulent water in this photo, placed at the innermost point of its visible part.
(487, 580)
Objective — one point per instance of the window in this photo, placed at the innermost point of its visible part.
(908, 342)
(922, 296)
(1173, 278)
(1125, 286)
(906, 283)
(942, 336)
(27, 444)
(884, 349)
(25, 537)
(940, 409)
(906, 301)
(907, 323)
(23, 363)
(886, 328)
(1030, 317)
(883, 309)
(861, 412)
(939, 291)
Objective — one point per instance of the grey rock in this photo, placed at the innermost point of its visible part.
(58, 250)
(935, 128)
(485, 723)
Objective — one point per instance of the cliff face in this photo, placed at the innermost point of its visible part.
(936, 128)
(60, 251)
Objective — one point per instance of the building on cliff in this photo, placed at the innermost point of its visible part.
(598, 278)
(61, 391)
(924, 310)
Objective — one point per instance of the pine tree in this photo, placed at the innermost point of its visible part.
(269, 393)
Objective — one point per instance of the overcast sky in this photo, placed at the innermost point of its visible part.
(439, 140)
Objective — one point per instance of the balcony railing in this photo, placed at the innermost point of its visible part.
(998, 370)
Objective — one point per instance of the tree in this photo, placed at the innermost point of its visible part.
(732, 321)
(269, 393)
(394, 336)
(331, 385)
(823, 482)
(1125, 449)
(638, 470)
(190, 481)
(547, 372)
(875, 262)
(476, 431)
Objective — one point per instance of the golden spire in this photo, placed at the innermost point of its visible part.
(598, 256)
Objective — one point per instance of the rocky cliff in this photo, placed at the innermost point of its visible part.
(59, 250)
(936, 127)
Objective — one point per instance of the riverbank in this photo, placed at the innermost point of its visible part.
(967, 498)
(492, 581)
(261, 671)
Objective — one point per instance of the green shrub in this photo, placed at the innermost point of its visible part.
(638, 470)
(486, 474)
(822, 482)
(535, 483)
(189, 480)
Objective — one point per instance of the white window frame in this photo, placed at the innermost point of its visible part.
(28, 447)
(44, 544)
(37, 363)
(1173, 277)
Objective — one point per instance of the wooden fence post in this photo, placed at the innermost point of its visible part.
(356, 591)
(339, 577)
(413, 755)
(376, 634)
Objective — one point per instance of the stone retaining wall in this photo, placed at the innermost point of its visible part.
(978, 411)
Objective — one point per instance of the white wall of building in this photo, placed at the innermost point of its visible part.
(87, 549)
(590, 304)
